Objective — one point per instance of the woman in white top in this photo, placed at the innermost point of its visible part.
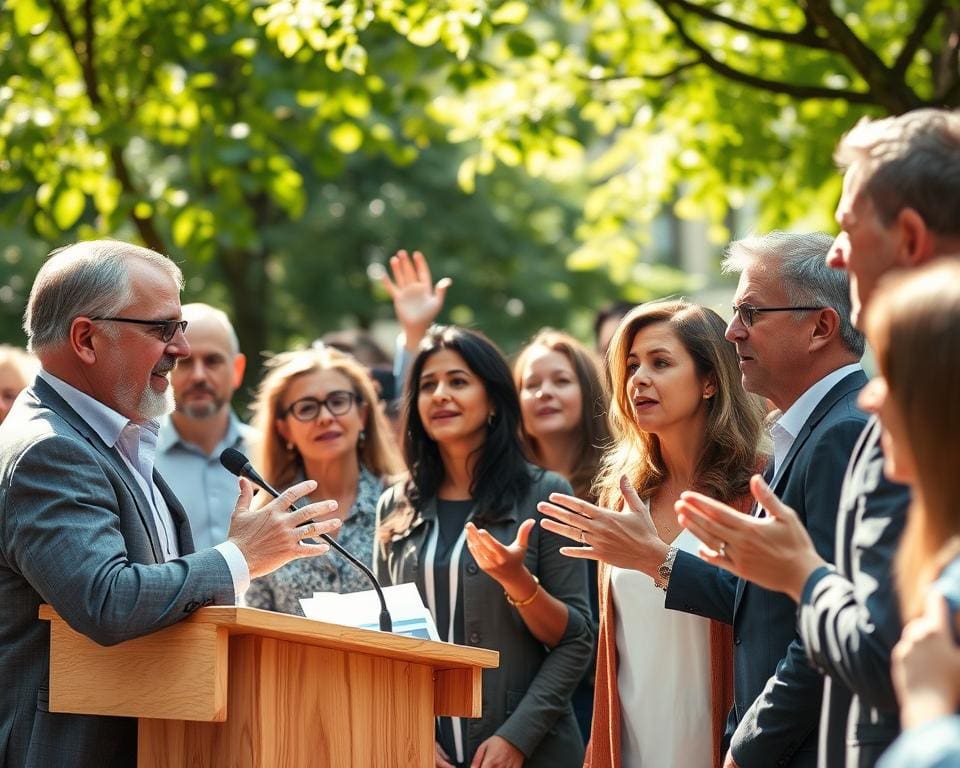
(680, 420)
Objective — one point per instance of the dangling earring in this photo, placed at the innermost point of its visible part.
(361, 438)
(490, 417)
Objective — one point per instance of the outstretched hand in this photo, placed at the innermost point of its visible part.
(416, 301)
(499, 561)
(774, 552)
(272, 534)
(626, 539)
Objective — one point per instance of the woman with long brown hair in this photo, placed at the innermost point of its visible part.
(680, 420)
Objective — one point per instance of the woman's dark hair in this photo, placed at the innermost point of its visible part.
(500, 476)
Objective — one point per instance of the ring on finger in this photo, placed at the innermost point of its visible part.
(722, 549)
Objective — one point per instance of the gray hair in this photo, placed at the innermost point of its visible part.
(84, 279)
(198, 310)
(800, 262)
(910, 161)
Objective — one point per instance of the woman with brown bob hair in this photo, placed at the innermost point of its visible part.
(316, 418)
(680, 420)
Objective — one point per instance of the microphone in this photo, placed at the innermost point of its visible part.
(238, 464)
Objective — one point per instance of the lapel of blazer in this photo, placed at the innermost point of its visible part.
(849, 383)
(178, 513)
(754, 508)
(841, 389)
(48, 397)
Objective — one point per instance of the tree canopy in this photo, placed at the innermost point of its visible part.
(281, 149)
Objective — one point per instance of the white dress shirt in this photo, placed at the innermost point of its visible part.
(786, 428)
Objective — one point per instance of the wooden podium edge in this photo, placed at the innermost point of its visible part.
(180, 672)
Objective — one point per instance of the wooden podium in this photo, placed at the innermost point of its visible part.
(246, 688)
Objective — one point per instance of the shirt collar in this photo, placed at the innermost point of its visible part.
(237, 431)
(796, 415)
(106, 422)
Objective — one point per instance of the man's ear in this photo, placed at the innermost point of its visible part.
(916, 239)
(80, 336)
(239, 366)
(826, 328)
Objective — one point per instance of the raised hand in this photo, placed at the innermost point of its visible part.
(416, 301)
(626, 539)
(273, 534)
(774, 552)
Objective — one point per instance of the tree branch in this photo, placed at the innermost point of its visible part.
(84, 55)
(924, 21)
(795, 90)
(672, 72)
(889, 91)
(806, 37)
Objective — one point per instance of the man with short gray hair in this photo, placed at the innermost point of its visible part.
(88, 526)
(798, 349)
(203, 424)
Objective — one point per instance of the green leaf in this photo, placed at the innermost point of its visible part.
(513, 12)
(521, 44)
(346, 137)
(67, 208)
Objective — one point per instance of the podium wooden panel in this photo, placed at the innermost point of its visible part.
(246, 688)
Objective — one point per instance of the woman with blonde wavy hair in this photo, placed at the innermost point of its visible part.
(316, 418)
(680, 420)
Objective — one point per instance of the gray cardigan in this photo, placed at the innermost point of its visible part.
(527, 700)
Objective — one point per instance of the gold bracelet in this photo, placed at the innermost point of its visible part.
(521, 603)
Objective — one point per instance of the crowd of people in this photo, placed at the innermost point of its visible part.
(703, 544)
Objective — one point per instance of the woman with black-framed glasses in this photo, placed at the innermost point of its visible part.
(316, 419)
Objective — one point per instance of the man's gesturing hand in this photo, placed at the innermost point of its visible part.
(274, 534)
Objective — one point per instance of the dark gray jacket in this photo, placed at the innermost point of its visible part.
(77, 532)
(527, 700)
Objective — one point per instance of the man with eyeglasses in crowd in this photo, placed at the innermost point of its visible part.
(86, 523)
(203, 424)
(797, 348)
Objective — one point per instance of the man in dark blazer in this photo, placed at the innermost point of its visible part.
(86, 525)
(900, 209)
(806, 363)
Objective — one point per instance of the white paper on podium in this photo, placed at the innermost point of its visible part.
(362, 609)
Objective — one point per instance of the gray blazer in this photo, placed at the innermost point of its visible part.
(527, 700)
(77, 532)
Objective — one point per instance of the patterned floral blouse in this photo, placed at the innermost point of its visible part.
(281, 590)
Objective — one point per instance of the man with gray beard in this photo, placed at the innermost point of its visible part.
(86, 523)
(203, 423)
